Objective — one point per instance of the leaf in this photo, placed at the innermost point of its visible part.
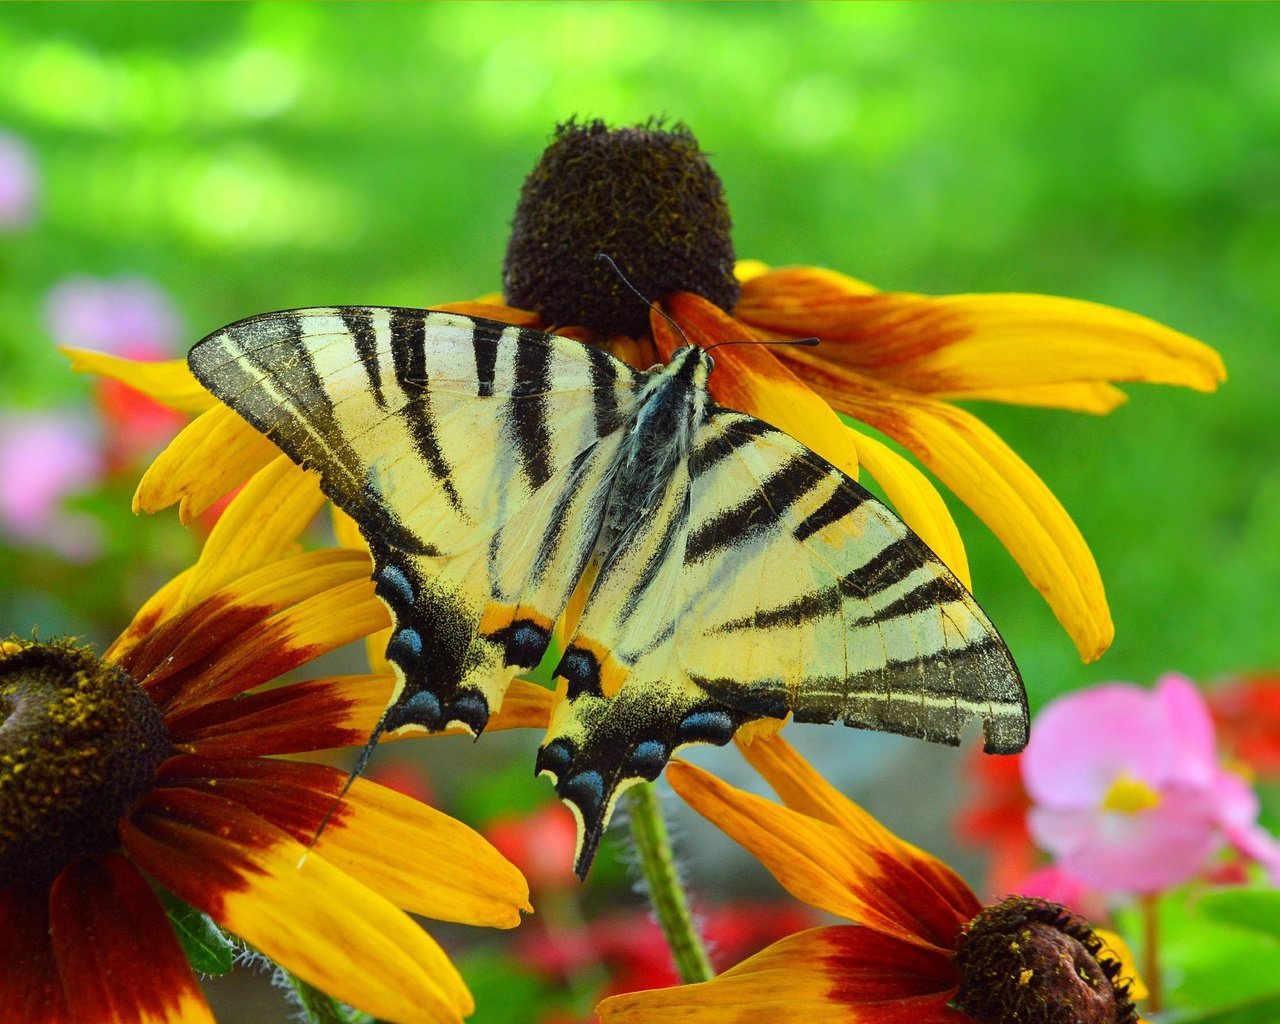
(1258, 910)
(207, 946)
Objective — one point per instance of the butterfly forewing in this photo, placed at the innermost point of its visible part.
(474, 457)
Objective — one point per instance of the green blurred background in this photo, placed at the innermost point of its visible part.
(253, 157)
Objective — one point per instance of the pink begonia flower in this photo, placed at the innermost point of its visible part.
(129, 317)
(1128, 792)
(18, 183)
(44, 458)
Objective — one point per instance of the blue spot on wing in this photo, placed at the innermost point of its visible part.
(394, 578)
(407, 643)
(705, 727)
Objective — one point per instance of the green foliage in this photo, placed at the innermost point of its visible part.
(207, 946)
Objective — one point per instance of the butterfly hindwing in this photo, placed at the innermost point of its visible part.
(473, 455)
(770, 583)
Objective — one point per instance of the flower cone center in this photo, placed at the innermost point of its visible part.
(79, 742)
(644, 196)
(1025, 961)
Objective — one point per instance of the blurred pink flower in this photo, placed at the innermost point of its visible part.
(129, 317)
(1128, 793)
(44, 458)
(18, 182)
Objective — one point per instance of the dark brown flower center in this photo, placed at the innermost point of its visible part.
(79, 742)
(644, 196)
(1026, 961)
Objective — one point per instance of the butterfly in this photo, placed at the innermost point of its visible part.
(730, 574)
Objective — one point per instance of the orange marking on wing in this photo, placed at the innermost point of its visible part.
(613, 674)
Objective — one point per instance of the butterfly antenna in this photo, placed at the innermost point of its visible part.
(805, 342)
(361, 762)
(604, 258)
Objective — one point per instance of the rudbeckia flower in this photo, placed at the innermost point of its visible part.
(920, 947)
(152, 768)
(1128, 792)
(894, 361)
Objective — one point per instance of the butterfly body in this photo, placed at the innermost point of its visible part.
(730, 574)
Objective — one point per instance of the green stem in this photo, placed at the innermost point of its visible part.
(666, 894)
(1151, 953)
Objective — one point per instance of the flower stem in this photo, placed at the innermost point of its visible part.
(1151, 952)
(666, 894)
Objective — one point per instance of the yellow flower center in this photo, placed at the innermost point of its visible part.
(1129, 795)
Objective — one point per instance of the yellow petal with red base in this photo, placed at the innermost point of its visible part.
(301, 911)
(157, 609)
(322, 714)
(117, 955)
(916, 501)
(260, 525)
(267, 623)
(209, 457)
(418, 858)
(169, 383)
(802, 789)
(840, 975)
(30, 988)
(749, 378)
(954, 345)
(823, 865)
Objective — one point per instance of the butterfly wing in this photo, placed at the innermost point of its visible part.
(768, 582)
(473, 455)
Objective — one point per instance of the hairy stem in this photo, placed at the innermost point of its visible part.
(666, 893)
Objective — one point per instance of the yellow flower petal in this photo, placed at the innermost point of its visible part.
(1115, 948)
(840, 975)
(917, 502)
(802, 789)
(260, 525)
(958, 344)
(169, 383)
(210, 456)
(466, 880)
(1095, 398)
(301, 911)
(747, 270)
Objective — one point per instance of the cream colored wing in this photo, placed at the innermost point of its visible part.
(767, 583)
(474, 456)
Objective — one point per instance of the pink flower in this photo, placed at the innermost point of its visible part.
(44, 458)
(129, 317)
(18, 183)
(1128, 792)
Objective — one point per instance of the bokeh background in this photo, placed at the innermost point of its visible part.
(165, 169)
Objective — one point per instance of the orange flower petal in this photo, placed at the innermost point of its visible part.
(260, 525)
(822, 865)
(117, 955)
(492, 308)
(957, 344)
(837, 974)
(209, 457)
(301, 911)
(374, 834)
(30, 988)
(802, 789)
(169, 383)
(917, 502)
(749, 378)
